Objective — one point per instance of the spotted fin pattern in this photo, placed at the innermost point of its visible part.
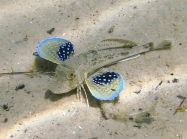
(105, 78)
(105, 86)
(55, 50)
(65, 50)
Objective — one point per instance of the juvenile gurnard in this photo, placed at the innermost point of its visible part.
(73, 71)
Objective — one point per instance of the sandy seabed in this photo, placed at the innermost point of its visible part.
(143, 110)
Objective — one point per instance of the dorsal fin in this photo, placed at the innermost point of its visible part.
(108, 43)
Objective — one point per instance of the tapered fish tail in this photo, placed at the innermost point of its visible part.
(166, 44)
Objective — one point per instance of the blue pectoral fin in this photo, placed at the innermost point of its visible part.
(106, 85)
(55, 50)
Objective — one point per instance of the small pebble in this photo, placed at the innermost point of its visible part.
(111, 30)
(50, 31)
(21, 86)
(147, 114)
(28, 92)
(137, 91)
(137, 126)
(175, 80)
(130, 118)
(155, 98)
(6, 120)
(25, 39)
(140, 109)
(5, 107)
(25, 130)
(35, 54)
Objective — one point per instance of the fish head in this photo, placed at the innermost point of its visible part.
(65, 80)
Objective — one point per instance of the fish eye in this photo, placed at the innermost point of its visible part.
(71, 75)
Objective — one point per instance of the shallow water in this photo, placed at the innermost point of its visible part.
(34, 112)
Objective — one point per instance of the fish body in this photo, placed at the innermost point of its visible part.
(86, 66)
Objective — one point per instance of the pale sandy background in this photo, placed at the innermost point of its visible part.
(36, 113)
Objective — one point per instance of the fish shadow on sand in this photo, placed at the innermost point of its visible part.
(55, 97)
(42, 65)
(47, 67)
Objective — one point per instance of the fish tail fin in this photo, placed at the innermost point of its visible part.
(166, 44)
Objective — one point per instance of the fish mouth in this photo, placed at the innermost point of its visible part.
(58, 92)
(58, 89)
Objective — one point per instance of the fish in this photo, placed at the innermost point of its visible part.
(90, 67)
(61, 49)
